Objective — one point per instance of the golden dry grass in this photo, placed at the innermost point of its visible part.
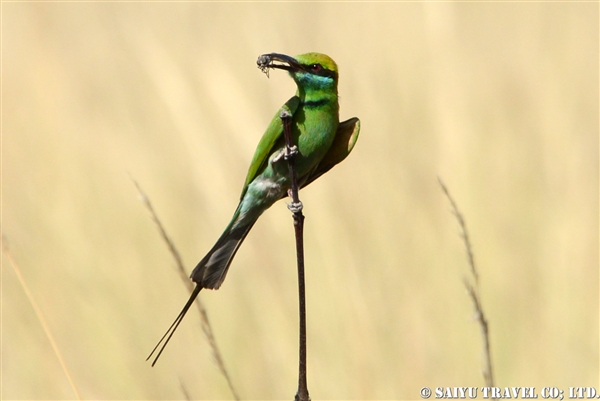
(498, 99)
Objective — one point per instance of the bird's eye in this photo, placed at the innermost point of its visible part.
(316, 67)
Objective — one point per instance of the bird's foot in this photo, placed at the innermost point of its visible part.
(279, 155)
(295, 207)
(290, 152)
(285, 154)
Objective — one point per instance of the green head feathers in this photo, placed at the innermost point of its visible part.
(311, 61)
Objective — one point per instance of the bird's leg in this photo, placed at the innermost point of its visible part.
(286, 153)
(289, 152)
(280, 155)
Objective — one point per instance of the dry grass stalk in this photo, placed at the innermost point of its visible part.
(39, 316)
(206, 327)
(473, 291)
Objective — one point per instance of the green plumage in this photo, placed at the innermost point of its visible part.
(315, 122)
(322, 143)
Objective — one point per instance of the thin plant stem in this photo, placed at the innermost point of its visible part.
(206, 326)
(473, 290)
(40, 317)
(488, 375)
(296, 208)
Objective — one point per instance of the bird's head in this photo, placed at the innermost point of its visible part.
(314, 71)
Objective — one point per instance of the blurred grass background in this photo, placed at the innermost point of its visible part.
(500, 100)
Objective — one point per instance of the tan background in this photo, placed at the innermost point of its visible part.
(499, 100)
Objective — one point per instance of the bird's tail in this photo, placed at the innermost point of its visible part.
(167, 336)
(212, 269)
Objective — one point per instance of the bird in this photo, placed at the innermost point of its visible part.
(321, 141)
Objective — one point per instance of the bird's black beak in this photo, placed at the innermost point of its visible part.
(267, 61)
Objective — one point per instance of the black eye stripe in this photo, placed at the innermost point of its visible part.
(322, 71)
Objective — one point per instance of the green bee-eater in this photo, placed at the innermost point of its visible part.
(321, 140)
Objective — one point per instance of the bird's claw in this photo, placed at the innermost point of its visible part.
(286, 154)
(290, 152)
(279, 155)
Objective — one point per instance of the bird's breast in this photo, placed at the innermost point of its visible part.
(315, 134)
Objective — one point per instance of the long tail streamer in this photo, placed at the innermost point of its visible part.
(167, 336)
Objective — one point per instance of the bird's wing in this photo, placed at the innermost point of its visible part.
(343, 143)
(267, 142)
